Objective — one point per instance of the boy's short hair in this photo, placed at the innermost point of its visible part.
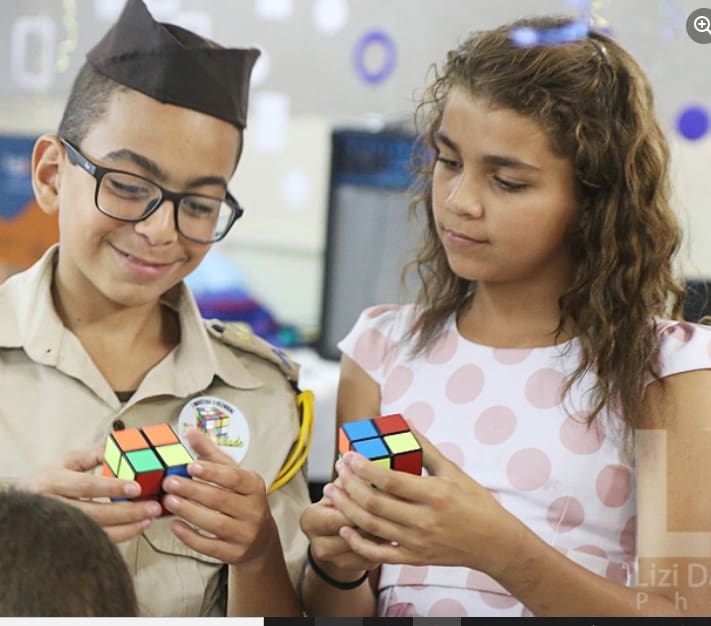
(87, 103)
(55, 561)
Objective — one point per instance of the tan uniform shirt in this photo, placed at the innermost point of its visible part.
(54, 399)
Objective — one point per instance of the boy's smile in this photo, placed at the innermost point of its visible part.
(143, 267)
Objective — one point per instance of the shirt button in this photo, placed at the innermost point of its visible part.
(118, 425)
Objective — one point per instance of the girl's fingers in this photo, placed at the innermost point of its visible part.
(363, 519)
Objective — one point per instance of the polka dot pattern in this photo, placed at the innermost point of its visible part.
(495, 425)
(498, 415)
(594, 550)
(497, 600)
(401, 609)
(465, 384)
(447, 608)
(579, 438)
(565, 514)
(370, 348)
(509, 356)
(411, 575)
(614, 485)
(544, 387)
(397, 383)
(420, 415)
(453, 452)
(528, 469)
(682, 331)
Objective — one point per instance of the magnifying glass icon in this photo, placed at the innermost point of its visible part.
(702, 24)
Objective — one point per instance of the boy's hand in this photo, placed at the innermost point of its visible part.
(226, 509)
(69, 480)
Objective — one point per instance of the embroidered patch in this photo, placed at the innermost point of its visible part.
(222, 421)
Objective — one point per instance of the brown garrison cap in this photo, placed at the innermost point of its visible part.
(174, 65)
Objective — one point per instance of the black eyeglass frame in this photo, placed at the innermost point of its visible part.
(98, 172)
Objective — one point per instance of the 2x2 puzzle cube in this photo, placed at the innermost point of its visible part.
(386, 440)
(147, 455)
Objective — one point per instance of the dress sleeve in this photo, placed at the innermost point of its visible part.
(684, 347)
(374, 340)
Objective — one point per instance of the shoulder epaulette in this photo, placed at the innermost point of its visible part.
(240, 335)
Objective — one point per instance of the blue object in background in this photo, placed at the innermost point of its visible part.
(693, 122)
(525, 37)
(221, 292)
(15, 175)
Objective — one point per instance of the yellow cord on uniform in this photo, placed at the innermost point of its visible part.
(298, 456)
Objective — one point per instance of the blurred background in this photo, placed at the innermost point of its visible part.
(324, 173)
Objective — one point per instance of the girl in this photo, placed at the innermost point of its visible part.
(566, 415)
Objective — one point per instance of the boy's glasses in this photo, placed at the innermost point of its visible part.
(132, 198)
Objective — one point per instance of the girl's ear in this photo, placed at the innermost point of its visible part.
(47, 158)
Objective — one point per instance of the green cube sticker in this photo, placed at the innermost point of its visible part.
(144, 461)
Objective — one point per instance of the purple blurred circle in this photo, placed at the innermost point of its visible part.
(378, 38)
(693, 122)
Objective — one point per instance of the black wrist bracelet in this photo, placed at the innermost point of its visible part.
(331, 581)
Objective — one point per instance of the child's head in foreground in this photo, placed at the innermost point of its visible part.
(55, 561)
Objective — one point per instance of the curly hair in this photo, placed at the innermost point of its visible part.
(596, 106)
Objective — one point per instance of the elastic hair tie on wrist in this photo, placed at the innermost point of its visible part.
(331, 581)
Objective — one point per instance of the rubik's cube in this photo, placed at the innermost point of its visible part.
(213, 422)
(146, 455)
(386, 440)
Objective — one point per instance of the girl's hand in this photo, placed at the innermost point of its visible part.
(446, 518)
(224, 512)
(321, 523)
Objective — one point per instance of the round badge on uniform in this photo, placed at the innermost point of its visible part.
(222, 421)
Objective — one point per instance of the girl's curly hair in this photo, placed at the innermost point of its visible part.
(596, 105)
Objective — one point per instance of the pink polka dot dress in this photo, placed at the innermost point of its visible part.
(498, 414)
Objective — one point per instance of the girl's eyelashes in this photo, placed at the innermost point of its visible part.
(508, 185)
(450, 164)
(502, 183)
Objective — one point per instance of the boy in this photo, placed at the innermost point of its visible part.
(101, 334)
(69, 566)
